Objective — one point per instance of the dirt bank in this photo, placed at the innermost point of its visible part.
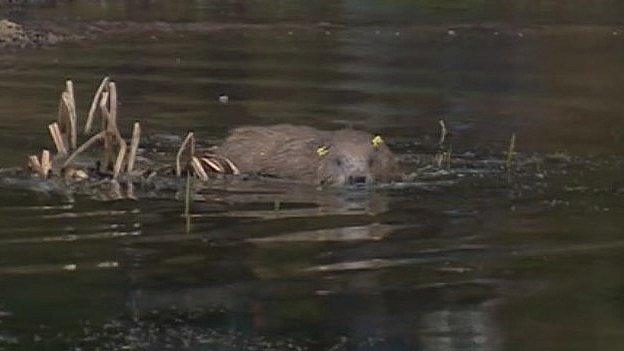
(18, 35)
(28, 34)
(37, 33)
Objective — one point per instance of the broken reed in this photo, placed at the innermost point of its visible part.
(64, 133)
(445, 150)
(42, 167)
(134, 146)
(187, 202)
(443, 132)
(187, 144)
(94, 104)
(443, 158)
(202, 165)
(511, 153)
(117, 156)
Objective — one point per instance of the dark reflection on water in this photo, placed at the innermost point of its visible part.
(464, 260)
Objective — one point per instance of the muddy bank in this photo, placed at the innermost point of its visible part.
(10, 3)
(29, 34)
(37, 33)
(16, 35)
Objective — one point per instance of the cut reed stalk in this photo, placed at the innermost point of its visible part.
(34, 164)
(108, 136)
(112, 133)
(57, 137)
(233, 167)
(94, 104)
(73, 115)
(193, 146)
(84, 147)
(443, 132)
(69, 88)
(62, 113)
(46, 164)
(120, 158)
(187, 202)
(134, 145)
(188, 141)
(108, 151)
(187, 195)
(63, 120)
(215, 166)
(69, 111)
(198, 169)
(112, 88)
(220, 163)
(104, 109)
(511, 153)
(110, 115)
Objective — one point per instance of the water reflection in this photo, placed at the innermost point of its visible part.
(461, 329)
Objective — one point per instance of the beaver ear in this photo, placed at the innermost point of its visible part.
(322, 150)
(377, 141)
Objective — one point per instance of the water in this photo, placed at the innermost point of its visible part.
(471, 259)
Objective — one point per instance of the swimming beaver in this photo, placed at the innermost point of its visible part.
(310, 155)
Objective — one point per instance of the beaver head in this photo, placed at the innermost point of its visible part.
(351, 157)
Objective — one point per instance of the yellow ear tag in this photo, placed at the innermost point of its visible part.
(377, 141)
(322, 151)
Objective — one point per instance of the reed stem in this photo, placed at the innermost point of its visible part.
(134, 145)
(94, 104)
(46, 164)
(70, 102)
(198, 169)
(57, 137)
(188, 141)
(187, 202)
(120, 158)
(511, 153)
(83, 147)
(443, 132)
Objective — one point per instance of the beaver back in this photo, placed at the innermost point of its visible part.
(282, 150)
(308, 154)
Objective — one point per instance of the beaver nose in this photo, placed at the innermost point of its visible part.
(357, 179)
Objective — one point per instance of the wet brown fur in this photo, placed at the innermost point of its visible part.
(291, 152)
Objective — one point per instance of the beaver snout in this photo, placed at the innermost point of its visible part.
(355, 169)
(347, 165)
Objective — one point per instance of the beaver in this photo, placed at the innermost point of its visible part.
(342, 157)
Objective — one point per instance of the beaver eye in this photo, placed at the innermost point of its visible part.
(371, 162)
(338, 162)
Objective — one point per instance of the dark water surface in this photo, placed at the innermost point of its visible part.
(470, 258)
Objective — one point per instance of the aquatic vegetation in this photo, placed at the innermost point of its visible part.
(118, 156)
